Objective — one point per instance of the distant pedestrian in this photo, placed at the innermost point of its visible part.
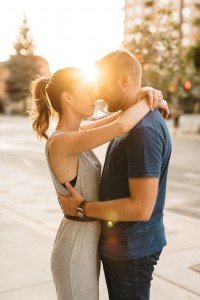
(176, 113)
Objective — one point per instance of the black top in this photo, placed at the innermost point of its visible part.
(72, 182)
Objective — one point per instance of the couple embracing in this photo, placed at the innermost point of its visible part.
(116, 215)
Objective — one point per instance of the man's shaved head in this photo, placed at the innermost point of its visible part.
(118, 62)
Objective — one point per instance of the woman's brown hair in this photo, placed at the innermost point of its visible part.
(46, 97)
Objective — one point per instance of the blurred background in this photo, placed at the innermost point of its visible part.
(39, 37)
(43, 36)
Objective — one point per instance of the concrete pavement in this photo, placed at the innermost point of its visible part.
(25, 260)
(30, 215)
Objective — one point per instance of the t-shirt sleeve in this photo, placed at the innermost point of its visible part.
(144, 149)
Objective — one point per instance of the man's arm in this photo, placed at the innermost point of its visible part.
(138, 207)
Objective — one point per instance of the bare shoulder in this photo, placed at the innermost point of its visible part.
(63, 163)
(59, 140)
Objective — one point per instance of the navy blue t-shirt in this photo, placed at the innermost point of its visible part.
(143, 152)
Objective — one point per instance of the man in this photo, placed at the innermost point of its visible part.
(134, 176)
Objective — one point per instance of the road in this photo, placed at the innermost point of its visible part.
(30, 213)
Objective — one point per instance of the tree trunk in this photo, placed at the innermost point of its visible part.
(1, 106)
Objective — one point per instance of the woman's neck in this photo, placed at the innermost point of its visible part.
(68, 123)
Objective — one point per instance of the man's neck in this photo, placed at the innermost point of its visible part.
(130, 99)
(128, 103)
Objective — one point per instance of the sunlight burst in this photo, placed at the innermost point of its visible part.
(90, 72)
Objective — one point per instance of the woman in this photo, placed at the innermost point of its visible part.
(75, 262)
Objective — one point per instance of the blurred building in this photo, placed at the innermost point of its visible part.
(184, 12)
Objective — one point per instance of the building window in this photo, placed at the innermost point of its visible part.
(186, 13)
(130, 13)
(138, 10)
(129, 1)
(149, 3)
(148, 11)
(130, 24)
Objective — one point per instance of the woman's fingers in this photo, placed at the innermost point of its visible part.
(154, 96)
(167, 114)
(160, 97)
(150, 99)
(164, 108)
(157, 98)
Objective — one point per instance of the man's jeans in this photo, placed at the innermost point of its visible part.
(130, 279)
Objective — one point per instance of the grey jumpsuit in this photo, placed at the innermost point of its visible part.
(75, 260)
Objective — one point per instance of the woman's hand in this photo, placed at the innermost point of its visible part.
(154, 96)
(164, 108)
(69, 204)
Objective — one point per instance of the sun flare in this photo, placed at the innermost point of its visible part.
(90, 72)
(77, 35)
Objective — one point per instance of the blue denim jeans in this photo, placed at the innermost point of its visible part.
(130, 279)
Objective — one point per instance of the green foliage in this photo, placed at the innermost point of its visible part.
(194, 55)
(159, 49)
(22, 69)
(23, 65)
(194, 51)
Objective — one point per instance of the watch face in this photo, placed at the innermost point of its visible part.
(80, 214)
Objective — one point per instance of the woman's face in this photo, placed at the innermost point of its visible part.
(84, 99)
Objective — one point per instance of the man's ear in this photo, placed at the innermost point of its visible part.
(123, 80)
(66, 97)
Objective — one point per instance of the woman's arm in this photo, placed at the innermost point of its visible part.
(79, 141)
(109, 119)
(154, 98)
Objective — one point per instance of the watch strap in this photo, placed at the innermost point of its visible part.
(83, 203)
(80, 210)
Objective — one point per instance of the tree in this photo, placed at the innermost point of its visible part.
(23, 65)
(193, 56)
(158, 47)
(194, 51)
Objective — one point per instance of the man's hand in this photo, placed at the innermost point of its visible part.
(69, 204)
(154, 96)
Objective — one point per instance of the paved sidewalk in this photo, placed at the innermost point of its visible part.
(29, 218)
(25, 260)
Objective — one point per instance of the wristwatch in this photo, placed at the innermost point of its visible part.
(80, 210)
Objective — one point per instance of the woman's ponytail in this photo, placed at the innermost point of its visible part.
(41, 109)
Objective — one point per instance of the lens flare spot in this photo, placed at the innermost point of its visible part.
(90, 73)
(110, 224)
